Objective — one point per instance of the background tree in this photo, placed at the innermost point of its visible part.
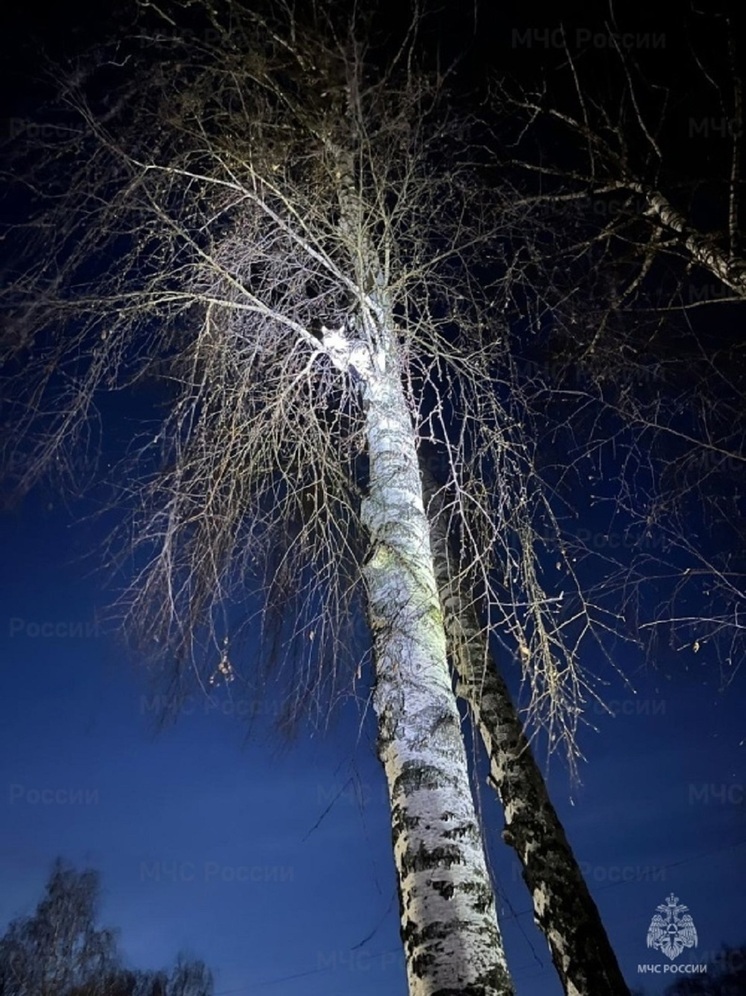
(677, 90)
(631, 155)
(58, 948)
(59, 951)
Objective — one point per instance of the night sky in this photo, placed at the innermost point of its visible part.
(230, 850)
(270, 859)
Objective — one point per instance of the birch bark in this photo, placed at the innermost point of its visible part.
(564, 909)
(448, 923)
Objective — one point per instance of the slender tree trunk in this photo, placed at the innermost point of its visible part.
(563, 907)
(448, 923)
(452, 942)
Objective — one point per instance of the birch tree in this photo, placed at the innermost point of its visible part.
(252, 216)
(659, 144)
(564, 909)
(297, 232)
(59, 951)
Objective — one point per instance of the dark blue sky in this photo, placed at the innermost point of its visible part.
(226, 849)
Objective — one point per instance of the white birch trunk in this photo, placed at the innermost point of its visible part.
(448, 923)
(730, 270)
(564, 909)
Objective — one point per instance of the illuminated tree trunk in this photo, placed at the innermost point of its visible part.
(449, 928)
(564, 909)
